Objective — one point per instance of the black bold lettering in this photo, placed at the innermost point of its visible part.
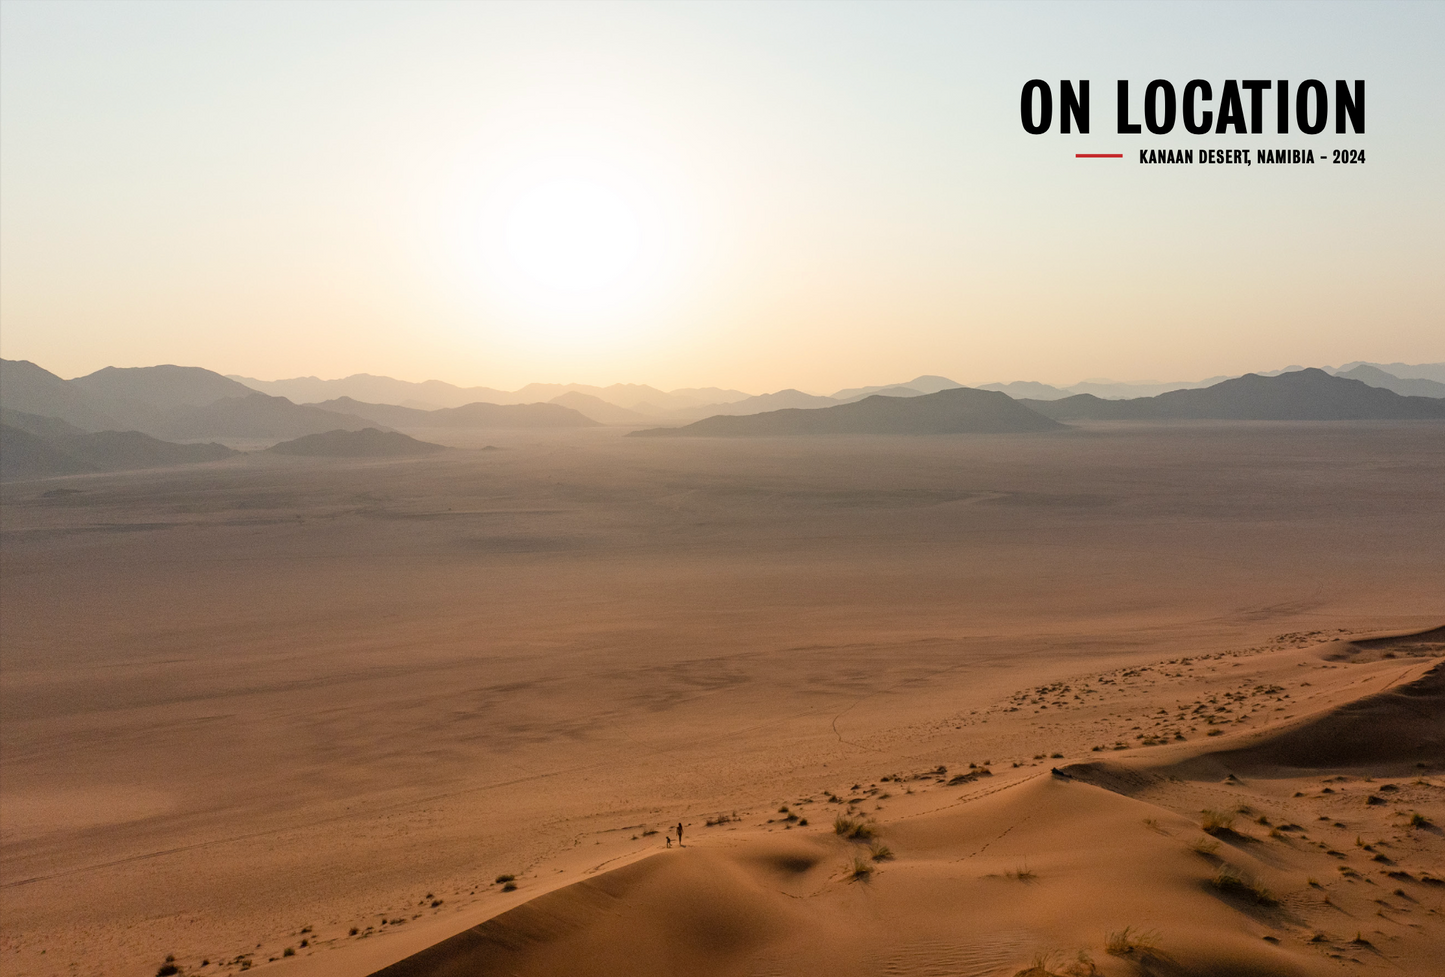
(1302, 107)
(1046, 106)
(1231, 109)
(1353, 106)
(1125, 127)
(1200, 87)
(1074, 106)
(1151, 116)
(1256, 103)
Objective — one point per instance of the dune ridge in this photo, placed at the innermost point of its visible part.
(1048, 871)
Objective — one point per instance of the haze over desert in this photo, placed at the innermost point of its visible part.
(267, 700)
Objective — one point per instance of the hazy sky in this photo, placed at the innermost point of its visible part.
(748, 195)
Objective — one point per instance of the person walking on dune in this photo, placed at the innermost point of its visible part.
(679, 834)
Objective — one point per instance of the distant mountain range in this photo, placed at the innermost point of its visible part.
(466, 416)
(34, 446)
(1300, 395)
(960, 410)
(125, 418)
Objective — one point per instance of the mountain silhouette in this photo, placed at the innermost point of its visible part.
(31, 389)
(27, 455)
(366, 443)
(470, 415)
(1300, 395)
(253, 416)
(961, 410)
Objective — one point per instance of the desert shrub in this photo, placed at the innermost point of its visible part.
(854, 829)
(510, 887)
(880, 852)
(1207, 847)
(290, 951)
(1216, 822)
(501, 879)
(1234, 882)
(860, 870)
(1129, 941)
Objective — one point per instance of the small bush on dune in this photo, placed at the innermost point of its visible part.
(1234, 882)
(1206, 847)
(861, 870)
(854, 829)
(1128, 941)
(880, 852)
(1216, 823)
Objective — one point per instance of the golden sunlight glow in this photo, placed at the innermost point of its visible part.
(572, 236)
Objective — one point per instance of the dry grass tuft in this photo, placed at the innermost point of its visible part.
(1235, 882)
(1206, 847)
(861, 870)
(854, 829)
(1129, 941)
(1216, 823)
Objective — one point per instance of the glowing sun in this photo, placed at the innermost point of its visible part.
(572, 236)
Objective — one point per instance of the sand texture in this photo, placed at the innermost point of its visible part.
(272, 703)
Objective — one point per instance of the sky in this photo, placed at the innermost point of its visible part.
(754, 196)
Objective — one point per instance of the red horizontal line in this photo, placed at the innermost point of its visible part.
(1098, 156)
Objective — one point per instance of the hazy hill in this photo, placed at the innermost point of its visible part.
(38, 425)
(925, 385)
(1027, 389)
(781, 400)
(1403, 371)
(366, 388)
(253, 416)
(961, 410)
(1377, 377)
(369, 389)
(469, 415)
(366, 443)
(599, 410)
(27, 455)
(30, 389)
(1301, 395)
(161, 387)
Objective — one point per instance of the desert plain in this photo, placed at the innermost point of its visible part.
(958, 705)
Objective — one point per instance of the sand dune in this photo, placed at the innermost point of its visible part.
(1028, 874)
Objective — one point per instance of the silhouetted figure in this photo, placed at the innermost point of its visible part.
(679, 834)
(668, 838)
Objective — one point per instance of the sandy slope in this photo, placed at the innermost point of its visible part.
(279, 699)
(1019, 866)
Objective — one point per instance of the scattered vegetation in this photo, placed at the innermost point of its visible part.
(861, 870)
(168, 967)
(1206, 847)
(1023, 874)
(1232, 881)
(290, 951)
(1216, 823)
(880, 852)
(1129, 941)
(854, 829)
(503, 879)
(1418, 820)
(510, 887)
